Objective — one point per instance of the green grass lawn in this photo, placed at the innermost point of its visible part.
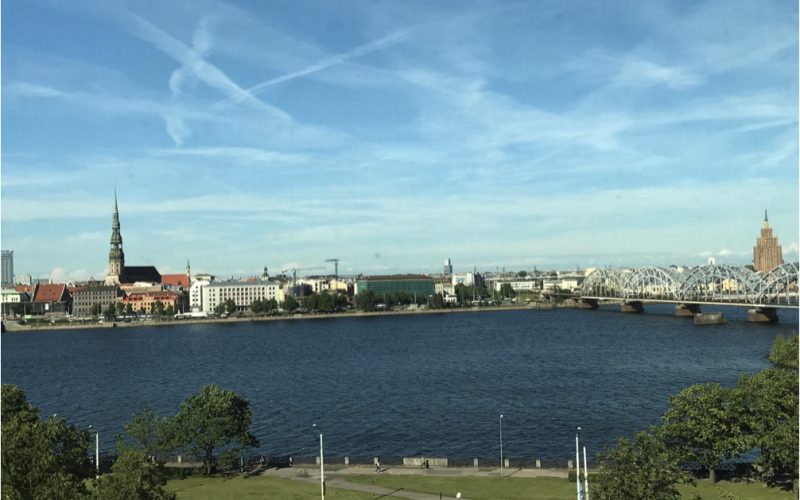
(545, 488)
(222, 488)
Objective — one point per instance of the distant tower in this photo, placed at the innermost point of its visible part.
(116, 257)
(767, 254)
(8, 267)
(265, 274)
(188, 270)
(448, 269)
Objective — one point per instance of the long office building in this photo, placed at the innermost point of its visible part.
(8, 267)
(243, 293)
(409, 283)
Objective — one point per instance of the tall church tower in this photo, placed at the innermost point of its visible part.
(116, 257)
(767, 254)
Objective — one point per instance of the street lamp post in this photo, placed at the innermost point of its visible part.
(321, 464)
(96, 451)
(577, 464)
(501, 446)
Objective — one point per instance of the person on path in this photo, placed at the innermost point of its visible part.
(377, 467)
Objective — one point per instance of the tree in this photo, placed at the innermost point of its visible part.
(135, 476)
(219, 309)
(95, 310)
(128, 308)
(784, 352)
(506, 290)
(154, 435)
(215, 419)
(643, 469)
(110, 313)
(365, 301)
(257, 306)
(438, 301)
(325, 302)
(772, 399)
(158, 308)
(41, 458)
(18, 308)
(230, 306)
(271, 305)
(706, 424)
(120, 307)
(289, 303)
(170, 311)
(522, 274)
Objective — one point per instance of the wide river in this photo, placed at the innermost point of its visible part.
(406, 385)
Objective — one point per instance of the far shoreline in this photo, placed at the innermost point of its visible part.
(12, 326)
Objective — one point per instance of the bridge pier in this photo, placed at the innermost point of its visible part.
(588, 304)
(687, 310)
(631, 307)
(709, 319)
(762, 315)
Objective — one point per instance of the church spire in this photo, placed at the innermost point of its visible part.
(765, 215)
(116, 257)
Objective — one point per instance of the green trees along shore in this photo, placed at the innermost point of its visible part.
(47, 458)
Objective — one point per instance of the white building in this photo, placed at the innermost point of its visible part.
(196, 295)
(517, 286)
(243, 293)
(467, 279)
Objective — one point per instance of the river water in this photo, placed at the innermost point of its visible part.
(405, 385)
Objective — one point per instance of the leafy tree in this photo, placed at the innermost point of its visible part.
(156, 436)
(110, 313)
(784, 352)
(506, 290)
(41, 458)
(772, 399)
(271, 304)
(134, 477)
(170, 311)
(311, 301)
(643, 469)
(257, 306)
(438, 301)
(212, 420)
(365, 301)
(522, 274)
(706, 424)
(18, 308)
(219, 309)
(120, 307)
(290, 303)
(230, 306)
(129, 308)
(158, 308)
(325, 302)
(95, 310)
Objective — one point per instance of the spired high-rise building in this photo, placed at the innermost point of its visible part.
(116, 257)
(767, 254)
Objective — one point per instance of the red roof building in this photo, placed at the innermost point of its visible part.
(51, 293)
(181, 280)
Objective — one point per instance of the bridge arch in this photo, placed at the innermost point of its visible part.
(604, 282)
(654, 283)
(771, 285)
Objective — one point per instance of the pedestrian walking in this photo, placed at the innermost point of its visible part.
(377, 467)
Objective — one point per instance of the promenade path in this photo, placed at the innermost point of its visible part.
(335, 476)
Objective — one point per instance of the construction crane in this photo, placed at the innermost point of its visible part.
(336, 266)
(294, 274)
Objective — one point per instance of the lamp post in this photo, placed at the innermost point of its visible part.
(577, 464)
(501, 446)
(96, 451)
(321, 464)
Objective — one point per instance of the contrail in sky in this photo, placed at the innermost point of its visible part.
(381, 43)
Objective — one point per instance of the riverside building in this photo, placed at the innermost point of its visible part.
(409, 283)
(117, 271)
(767, 254)
(243, 293)
(84, 298)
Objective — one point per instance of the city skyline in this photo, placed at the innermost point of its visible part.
(393, 136)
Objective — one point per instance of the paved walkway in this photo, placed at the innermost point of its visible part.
(335, 476)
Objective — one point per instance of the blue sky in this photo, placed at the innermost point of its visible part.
(393, 135)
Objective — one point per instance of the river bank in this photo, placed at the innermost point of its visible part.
(12, 326)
